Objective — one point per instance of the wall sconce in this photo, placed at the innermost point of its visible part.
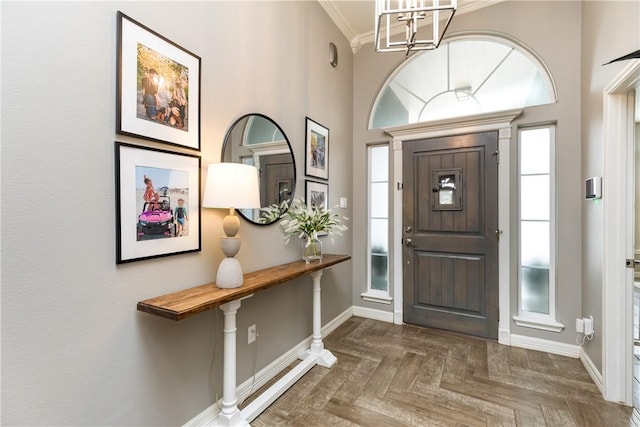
(233, 186)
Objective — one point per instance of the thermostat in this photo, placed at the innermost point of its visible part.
(593, 188)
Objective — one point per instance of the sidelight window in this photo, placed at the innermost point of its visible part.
(537, 228)
(378, 225)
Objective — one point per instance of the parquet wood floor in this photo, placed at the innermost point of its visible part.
(391, 375)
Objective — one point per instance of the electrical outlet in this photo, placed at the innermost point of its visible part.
(580, 326)
(251, 334)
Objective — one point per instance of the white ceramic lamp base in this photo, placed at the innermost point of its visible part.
(229, 274)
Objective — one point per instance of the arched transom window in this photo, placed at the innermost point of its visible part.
(464, 76)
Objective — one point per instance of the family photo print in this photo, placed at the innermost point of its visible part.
(158, 96)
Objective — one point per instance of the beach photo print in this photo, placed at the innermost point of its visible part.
(158, 203)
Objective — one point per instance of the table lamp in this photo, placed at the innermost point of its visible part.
(233, 186)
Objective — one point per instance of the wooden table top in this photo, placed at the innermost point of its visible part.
(187, 302)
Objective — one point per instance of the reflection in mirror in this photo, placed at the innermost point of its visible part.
(255, 139)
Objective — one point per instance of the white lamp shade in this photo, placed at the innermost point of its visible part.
(231, 185)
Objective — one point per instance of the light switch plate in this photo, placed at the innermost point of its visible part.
(343, 202)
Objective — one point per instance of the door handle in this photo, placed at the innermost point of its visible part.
(632, 263)
(408, 242)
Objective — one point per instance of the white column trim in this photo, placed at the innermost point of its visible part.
(396, 234)
(504, 221)
(501, 122)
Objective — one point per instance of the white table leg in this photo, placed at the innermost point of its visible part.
(323, 357)
(229, 412)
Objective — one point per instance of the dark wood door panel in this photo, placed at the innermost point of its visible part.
(450, 282)
(275, 180)
(449, 221)
(426, 166)
(445, 242)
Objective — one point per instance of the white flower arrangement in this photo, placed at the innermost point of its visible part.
(306, 221)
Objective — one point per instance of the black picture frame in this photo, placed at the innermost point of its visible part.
(158, 87)
(317, 194)
(316, 153)
(148, 223)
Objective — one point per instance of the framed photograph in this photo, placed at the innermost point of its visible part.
(317, 195)
(157, 203)
(316, 152)
(158, 87)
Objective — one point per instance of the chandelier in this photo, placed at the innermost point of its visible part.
(412, 14)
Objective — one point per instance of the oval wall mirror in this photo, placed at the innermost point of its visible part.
(255, 139)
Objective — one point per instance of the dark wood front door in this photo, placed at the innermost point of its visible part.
(276, 178)
(450, 222)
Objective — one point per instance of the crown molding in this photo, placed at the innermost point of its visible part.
(338, 19)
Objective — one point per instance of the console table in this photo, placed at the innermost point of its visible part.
(188, 302)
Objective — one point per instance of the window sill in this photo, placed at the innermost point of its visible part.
(379, 297)
(536, 323)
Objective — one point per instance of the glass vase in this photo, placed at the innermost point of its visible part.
(312, 249)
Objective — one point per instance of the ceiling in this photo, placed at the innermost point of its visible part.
(355, 18)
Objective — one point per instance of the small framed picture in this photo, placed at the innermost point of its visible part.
(316, 150)
(317, 196)
(157, 203)
(158, 87)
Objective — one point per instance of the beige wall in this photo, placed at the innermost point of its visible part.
(609, 30)
(74, 349)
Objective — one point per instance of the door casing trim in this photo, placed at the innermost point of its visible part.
(617, 337)
(500, 122)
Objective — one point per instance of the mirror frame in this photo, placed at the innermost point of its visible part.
(227, 139)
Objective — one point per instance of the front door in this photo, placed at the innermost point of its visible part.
(276, 182)
(450, 233)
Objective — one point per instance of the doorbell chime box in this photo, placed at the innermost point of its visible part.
(593, 188)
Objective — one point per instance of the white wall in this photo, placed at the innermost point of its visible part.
(74, 349)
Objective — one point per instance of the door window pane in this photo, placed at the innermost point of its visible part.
(379, 199)
(379, 235)
(379, 164)
(534, 243)
(535, 151)
(534, 203)
(379, 272)
(535, 290)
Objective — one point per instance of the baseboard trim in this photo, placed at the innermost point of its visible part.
(595, 375)
(209, 415)
(539, 344)
(504, 336)
(372, 313)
